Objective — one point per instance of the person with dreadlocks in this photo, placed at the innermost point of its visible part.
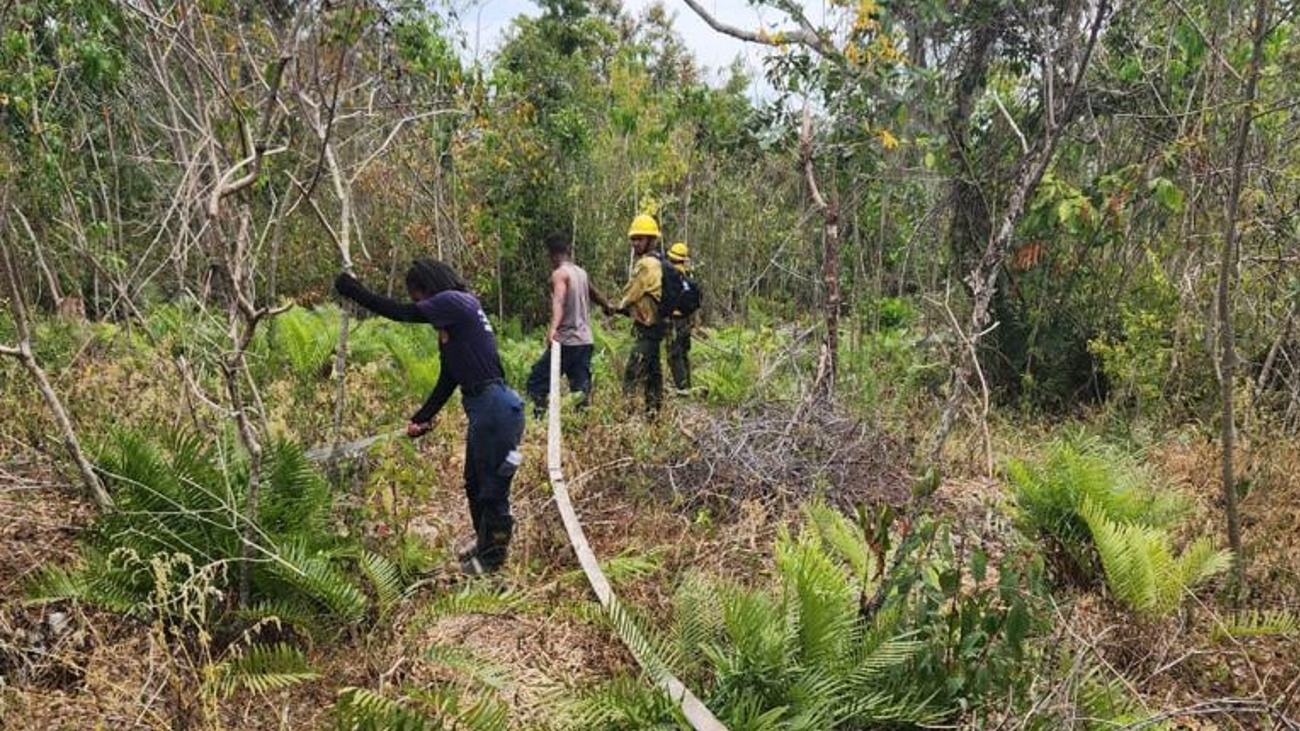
(467, 354)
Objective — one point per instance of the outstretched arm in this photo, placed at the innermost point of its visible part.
(349, 287)
(437, 399)
(599, 298)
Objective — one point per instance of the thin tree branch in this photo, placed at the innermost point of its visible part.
(1227, 270)
(1024, 145)
(23, 352)
(383, 147)
(805, 148)
(803, 36)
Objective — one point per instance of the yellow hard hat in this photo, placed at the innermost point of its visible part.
(679, 252)
(643, 225)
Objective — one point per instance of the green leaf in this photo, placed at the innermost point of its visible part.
(950, 582)
(261, 668)
(1130, 70)
(1017, 626)
(979, 564)
(1167, 194)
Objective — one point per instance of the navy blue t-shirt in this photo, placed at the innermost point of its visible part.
(467, 349)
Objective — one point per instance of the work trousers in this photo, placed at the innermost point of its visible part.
(679, 352)
(643, 365)
(496, 426)
(575, 364)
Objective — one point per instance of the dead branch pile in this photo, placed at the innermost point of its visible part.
(785, 454)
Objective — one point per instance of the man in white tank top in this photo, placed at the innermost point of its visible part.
(571, 296)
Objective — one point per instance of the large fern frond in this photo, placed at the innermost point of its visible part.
(304, 339)
(455, 708)
(698, 623)
(843, 535)
(295, 611)
(469, 666)
(1259, 623)
(384, 578)
(296, 497)
(55, 583)
(316, 576)
(630, 565)
(825, 608)
(261, 668)
(1050, 495)
(1140, 567)
(473, 599)
(362, 709)
(626, 703)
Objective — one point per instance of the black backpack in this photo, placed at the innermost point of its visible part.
(679, 293)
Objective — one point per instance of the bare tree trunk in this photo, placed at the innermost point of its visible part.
(23, 352)
(830, 210)
(831, 279)
(232, 370)
(56, 293)
(1227, 272)
(323, 127)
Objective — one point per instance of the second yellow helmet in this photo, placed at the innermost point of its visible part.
(679, 252)
(643, 225)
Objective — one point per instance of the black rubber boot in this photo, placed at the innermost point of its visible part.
(491, 552)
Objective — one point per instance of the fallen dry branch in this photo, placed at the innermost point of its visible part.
(1235, 708)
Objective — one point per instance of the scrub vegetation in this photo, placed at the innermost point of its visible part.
(995, 386)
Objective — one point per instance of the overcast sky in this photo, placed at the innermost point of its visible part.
(484, 21)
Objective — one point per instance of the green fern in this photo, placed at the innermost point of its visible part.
(473, 599)
(797, 655)
(416, 359)
(298, 502)
(1259, 623)
(469, 666)
(262, 668)
(305, 339)
(1050, 494)
(295, 611)
(458, 708)
(731, 380)
(698, 625)
(361, 709)
(54, 584)
(384, 577)
(628, 566)
(316, 575)
(470, 703)
(625, 703)
(1141, 569)
(180, 522)
(845, 536)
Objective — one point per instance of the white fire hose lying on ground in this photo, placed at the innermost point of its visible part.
(695, 712)
(692, 709)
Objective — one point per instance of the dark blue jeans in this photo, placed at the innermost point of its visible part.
(575, 364)
(496, 425)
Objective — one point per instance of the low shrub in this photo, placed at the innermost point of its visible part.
(174, 546)
(1050, 494)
